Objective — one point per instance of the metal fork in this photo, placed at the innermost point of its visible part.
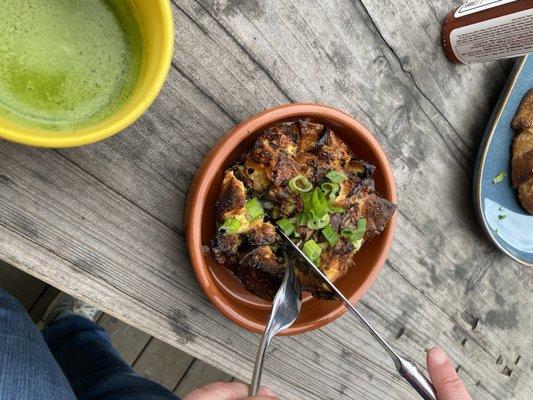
(285, 309)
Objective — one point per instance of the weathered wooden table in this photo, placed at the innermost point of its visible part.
(105, 222)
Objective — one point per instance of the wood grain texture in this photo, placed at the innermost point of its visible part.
(105, 221)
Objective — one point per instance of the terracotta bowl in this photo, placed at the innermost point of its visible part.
(223, 289)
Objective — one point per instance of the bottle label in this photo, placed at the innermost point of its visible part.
(506, 36)
(478, 5)
(472, 7)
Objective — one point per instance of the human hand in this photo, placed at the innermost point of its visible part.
(228, 391)
(446, 381)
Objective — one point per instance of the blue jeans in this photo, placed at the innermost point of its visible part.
(72, 359)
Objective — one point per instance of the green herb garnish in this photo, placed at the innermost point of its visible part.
(335, 176)
(331, 236)
(254, 208)
(500, 177)
(300, 184)
(330, 190)
(356, 235)
(319, 204)
(312, 250)
(502, 216)
(230, 226)
(336, 209)
(286, 226)
(318, 223)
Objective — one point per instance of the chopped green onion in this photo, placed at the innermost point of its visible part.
(500, 177)
(306, 201)
(331, 236)
(335, 176)
(318, 223)
(355, 235)
(312, 250)
(254, 208)
(286, 226)
(300, 219)
(336, 209)
(502, 216)
(300, 184)
(230, 226)
(330, 190)
(319, 204)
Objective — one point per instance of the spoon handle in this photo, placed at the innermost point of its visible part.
(258, 366)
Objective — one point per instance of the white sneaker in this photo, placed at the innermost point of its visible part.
(64, 306)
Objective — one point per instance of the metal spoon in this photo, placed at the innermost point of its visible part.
(406, 368)
(285, 310)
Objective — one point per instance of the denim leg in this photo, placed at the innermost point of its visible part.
(27, 368)
(93, 367)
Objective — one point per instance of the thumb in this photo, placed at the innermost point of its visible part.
(261, 398)
(446, 381)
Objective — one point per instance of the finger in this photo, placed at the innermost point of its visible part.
(261, 398)
(266, 391)
(219, 391)
(227, 391)
(446, 381)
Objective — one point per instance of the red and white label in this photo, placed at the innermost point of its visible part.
(507, 36)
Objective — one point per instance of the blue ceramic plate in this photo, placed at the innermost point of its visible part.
(504, 220)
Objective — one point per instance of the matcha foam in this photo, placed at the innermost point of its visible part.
(66, 64)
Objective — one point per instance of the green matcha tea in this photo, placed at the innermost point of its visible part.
(66, 64)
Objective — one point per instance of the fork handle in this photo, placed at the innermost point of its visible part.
(418, 381)
(259, 359)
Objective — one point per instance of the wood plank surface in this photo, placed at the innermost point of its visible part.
(163, 363)
(25, 288)
(198, 375)
(127, 340)
(105, 221)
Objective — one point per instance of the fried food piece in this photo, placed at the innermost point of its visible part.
(280, 192)
(524, 115)
(334, 263)
(224, 248)
(377, 211)
(263, 233)
(261, 272)
(360, 168)
(333, 151)
(230, 203)
(310, 132)
(260, 162)
(522, 157)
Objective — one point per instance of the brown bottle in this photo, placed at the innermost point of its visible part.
(484, 30)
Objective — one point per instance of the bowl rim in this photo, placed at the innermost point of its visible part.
(200, 186)
(22, 136)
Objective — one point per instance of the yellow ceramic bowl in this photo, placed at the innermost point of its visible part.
(155, 19)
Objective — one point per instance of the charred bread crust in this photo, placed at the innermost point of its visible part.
(377, 211)
(261, 272)
(524, 115)
(261, 234)
(232, 196)
(522, 168)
